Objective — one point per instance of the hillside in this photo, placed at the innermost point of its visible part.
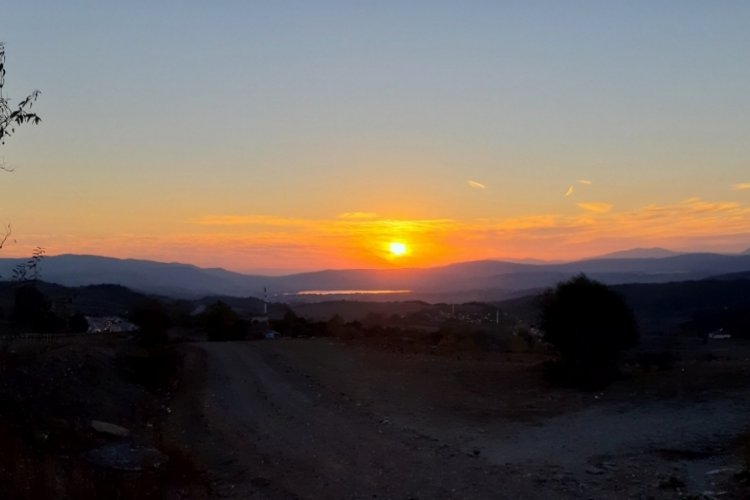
(460, 282)
(172, 279)
(91, 300)
(693, 307)
(640, 253)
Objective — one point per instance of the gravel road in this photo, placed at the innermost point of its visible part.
(308, 419)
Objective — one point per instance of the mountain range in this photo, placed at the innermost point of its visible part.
(476, 280)
(641, 253)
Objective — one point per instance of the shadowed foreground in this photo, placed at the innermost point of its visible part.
(312, 419)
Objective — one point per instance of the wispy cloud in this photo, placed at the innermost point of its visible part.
(247, 220)
(476, 185)
(357, 215)
(742, 186)
(699, 206)
(596, 207)
(584, 182)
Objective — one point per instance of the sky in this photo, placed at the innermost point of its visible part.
(290, 135)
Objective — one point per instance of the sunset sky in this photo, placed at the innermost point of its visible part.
(274, 136)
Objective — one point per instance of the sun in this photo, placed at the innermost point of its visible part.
(397, 248)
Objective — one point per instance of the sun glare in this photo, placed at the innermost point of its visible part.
(397, 248)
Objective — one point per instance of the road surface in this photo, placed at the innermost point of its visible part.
(314, 420)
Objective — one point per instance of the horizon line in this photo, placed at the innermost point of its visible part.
(276, 272)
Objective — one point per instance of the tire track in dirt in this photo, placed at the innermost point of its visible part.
(312, 419)
(285, 436)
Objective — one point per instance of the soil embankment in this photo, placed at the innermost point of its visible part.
(82, 417)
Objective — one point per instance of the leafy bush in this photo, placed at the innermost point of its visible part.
(32, 310)
(222, 323)
(78, 323)
(151, 318)
(589, 325)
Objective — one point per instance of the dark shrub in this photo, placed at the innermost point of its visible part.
(589, 325)
(151, 318)
(222, 323)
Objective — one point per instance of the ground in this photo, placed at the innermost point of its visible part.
(318, 418)
(82, 417)
(313, 418)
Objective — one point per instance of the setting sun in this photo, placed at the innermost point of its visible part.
(397, 248)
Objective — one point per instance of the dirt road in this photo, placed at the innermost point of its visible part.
(312, 419)
(280, 434)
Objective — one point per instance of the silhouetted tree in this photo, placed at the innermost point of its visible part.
(11, 117)
(589, 325)
(31, 269)
(295, 326)
(32, 309)
(151, 318)
(336, 326)
(78, 323)
(222, 323)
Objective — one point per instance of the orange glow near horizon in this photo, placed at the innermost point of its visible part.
(257, 243)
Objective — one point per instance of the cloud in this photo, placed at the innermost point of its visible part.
(476, 185)
(584, 182)
(698, 206)
(247, 220)
(597, 228)
(357, 215)
(596, 207)
(742, 186)
(355, 240)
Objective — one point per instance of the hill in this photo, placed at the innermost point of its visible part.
(693, 307)
(640, 253)
(91, 300)
(485, 280)
(172, 279)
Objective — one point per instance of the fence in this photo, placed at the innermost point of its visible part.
(43, 338)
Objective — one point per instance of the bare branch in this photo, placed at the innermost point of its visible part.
(4, 166)
(5, 237)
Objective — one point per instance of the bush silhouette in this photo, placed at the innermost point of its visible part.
(32, 309)
(222, 323)
(589, 325)
(150, 316)
(78, 323)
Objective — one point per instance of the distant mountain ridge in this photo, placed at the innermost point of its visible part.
(640, 253)
(476, 280)
(174, 279)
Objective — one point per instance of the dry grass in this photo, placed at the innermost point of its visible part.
(50, 395)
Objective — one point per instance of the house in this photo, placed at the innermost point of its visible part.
(719, 335)
(109, 324)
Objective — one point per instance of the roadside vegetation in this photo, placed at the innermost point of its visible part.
(84, 418)
(589, 325)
